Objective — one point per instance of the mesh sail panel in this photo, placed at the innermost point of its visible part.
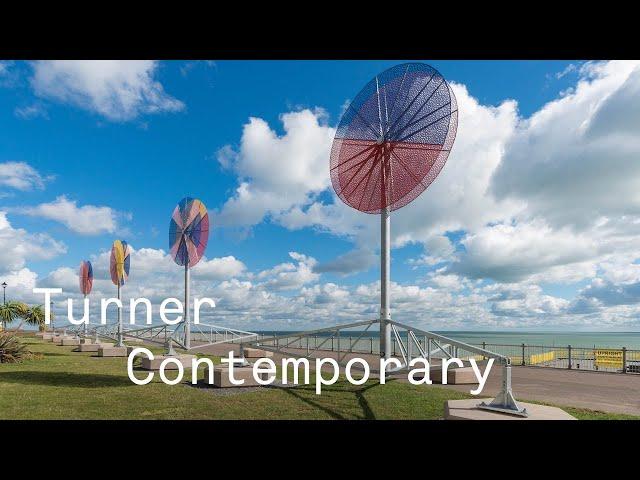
(394, 138)
(120, 262)
(86, 277)
(188, 232)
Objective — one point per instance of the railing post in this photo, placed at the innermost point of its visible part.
(307, 346)
(484, 347)
(371, 345)
(523, 363)
(350, 344)
(332, 344)
(569, 350)
(624, 359)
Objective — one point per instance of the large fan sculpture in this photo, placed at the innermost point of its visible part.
(119, 268)
(188, 237)
(86, 282)
(391, 143)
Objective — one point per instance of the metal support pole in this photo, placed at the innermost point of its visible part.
(523, 363)
(569, 350)
(624, 359)
(385, 268)
(187, 318)
(120, 339)
(505, 401)
(85, 323)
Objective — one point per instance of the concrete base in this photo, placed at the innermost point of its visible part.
(154, 364)
(467, 410)
(58, 340)
(40, 334)
(112, 351)
(455, 376)
(256, 353)
(92, 347)
(70, 342)
(221, 377)
(48, 336)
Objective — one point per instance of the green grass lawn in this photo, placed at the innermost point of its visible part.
(71, 385)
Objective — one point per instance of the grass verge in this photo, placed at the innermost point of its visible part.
(72, 385)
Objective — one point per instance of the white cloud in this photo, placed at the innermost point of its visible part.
(118, 90)
(290, 276)
(276, 172)
(21, 176)
(220, 268)
(85, 220)
(439, 249)
(575, 160)
(17, 246)
(514, 252)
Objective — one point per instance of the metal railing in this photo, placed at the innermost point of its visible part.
(597, 359)
(410, 343)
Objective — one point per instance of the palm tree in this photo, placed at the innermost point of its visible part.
(10, 311)
(33, 316)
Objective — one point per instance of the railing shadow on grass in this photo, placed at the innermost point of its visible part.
(367, 412)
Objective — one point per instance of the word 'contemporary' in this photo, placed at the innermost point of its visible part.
(327, 370)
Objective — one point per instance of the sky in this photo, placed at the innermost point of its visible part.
(531, 224)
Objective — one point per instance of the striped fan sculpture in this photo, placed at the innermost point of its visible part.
(85, 276)
(119, 268)
(188, 237)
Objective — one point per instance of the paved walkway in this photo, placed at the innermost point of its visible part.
(607, 392)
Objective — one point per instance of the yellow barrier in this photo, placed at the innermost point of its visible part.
(541, 358)
(608, 358)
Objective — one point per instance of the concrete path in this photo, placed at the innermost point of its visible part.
(607, 392)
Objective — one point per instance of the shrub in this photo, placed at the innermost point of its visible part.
(12, 350)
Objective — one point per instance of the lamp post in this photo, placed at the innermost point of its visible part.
(53, 318)
(4, 301)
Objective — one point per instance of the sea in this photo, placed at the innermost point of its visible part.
(630, 340)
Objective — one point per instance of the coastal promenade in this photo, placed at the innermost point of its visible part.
(607, 392)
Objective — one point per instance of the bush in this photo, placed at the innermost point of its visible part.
(12, 350)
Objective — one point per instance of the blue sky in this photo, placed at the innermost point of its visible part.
(133, 140)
